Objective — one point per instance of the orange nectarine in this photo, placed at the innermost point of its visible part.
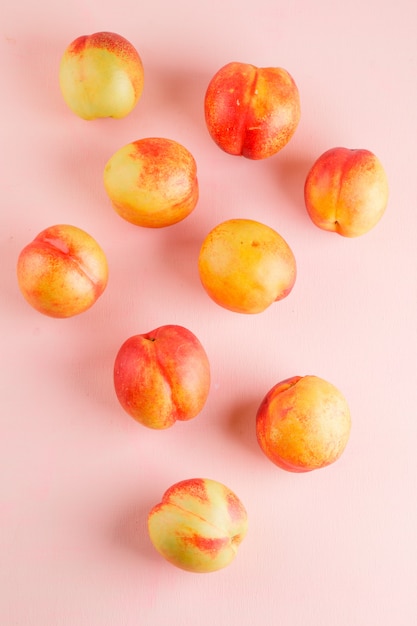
(346, 191)
(245, 266)
(62, 272)
(303, 423)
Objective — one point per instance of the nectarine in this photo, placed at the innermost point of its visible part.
(152, 182)
(346, 191)
(162, 376)
(245, 266)
(198, 525)
(251, 111)
(303, 423)
(62, 272)
(101, 75)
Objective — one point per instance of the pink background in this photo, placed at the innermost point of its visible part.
(78, 476)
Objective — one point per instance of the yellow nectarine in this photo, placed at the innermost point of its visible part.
(245, 266)
(152, 182)
(101, 75)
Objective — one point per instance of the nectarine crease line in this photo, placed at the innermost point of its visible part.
(61, 247)
(181, 508)
(252, 92)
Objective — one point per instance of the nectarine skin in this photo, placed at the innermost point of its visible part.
(346, 191)
(198, 525)
(62, 272)
(303, 423)
(251, 111)
(101, 75)
(245, 266)
(162, 376)
(152, 182)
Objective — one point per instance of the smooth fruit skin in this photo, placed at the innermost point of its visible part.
(62, 272)
(198, 525)
(245, 266)
(152, 182)
(303, 423)
(346, 191)
(101, 75)
(250, 111)
(162, 376)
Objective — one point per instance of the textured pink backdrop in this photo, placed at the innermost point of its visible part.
(78, 476)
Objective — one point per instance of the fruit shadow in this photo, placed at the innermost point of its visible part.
(291, 172)
(93, 377)
(178, 252)
(241, 425)
(85, 365)
(174, 93)
(129, 531)
(12, 301)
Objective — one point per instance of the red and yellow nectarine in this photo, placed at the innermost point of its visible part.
(101, 75)
(62, 272)
(303, 423)
(152, 182)
(198, 525)
(162, 376)
(252, 111)
(346, 191)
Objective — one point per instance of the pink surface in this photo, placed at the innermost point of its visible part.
(333, 547)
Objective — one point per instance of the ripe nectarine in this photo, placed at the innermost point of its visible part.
(245, 266)
(152, 182)
(303, 423)
(346, 191)
(252, 111)
(62, 272)
(162, 376)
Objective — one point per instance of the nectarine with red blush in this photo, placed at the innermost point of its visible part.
(101, 75)
(251, 111)
(62, 272)
(346, 191)
(198, 525)
(152, 182)
(303, 423)
(162, 376)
